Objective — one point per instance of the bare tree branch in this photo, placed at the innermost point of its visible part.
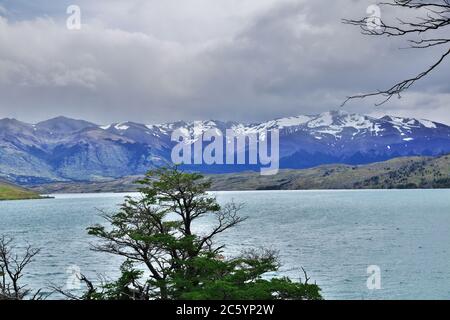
(11, 270)
(398, 88)
(435, 17)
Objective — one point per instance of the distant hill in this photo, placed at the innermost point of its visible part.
(68, 150)
(399, 173)
(13, 192)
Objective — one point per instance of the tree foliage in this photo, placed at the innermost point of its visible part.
(166, 259)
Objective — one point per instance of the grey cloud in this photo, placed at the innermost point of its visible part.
(296, 57)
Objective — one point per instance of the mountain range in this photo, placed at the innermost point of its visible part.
(63, 149)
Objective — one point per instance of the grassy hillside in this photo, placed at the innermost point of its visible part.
(12, 192)
(400, 173)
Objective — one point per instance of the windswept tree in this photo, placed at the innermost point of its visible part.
(427, 27)
(167, 258)
(12, 267)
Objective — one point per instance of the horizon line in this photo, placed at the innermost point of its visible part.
(218, 120)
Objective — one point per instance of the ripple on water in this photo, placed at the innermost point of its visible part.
(334, 235)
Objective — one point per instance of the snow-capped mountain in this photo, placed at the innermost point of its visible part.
(63, 149)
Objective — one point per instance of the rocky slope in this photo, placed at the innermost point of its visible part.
(63, 149)
(399, 173)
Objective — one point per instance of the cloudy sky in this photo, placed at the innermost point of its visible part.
(162, 60)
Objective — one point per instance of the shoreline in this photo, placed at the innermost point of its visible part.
(26, 199)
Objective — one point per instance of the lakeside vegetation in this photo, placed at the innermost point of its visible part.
(12, 192)
(399, 173)
(155, 232)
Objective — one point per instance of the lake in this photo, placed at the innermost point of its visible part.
(334, 235)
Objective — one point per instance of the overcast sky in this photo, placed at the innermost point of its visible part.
(247, 60)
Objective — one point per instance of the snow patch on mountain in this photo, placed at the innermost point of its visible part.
(428, 124)
(292, 121)
(333, 123)
(121, 127)
(323, 120)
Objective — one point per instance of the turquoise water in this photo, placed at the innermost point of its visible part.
(334, 235)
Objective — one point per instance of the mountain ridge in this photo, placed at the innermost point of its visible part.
(64, 149)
